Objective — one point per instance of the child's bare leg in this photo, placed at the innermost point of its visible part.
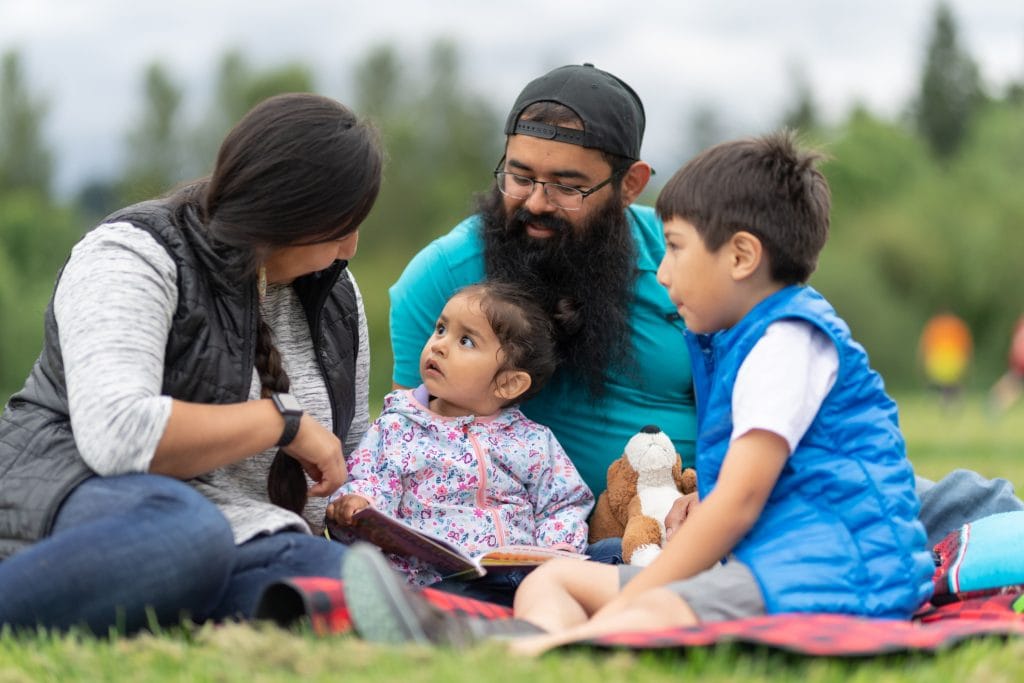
(564, 593)
(1005, 392)
(651, 611)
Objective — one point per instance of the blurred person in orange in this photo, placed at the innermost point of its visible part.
(946, 347)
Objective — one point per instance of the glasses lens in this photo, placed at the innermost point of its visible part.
(521, 187)
(513, 185)
(564, 197)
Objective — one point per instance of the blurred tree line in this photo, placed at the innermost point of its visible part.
(925, 215)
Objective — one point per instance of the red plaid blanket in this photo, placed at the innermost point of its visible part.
(323, 602)
(933, 628)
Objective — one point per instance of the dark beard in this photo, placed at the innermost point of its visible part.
(584, 279)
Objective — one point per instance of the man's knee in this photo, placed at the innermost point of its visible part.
(960, 497)
(971, 489)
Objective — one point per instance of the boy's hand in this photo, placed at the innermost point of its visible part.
(681, 509)
(714, 527)
(341, 510)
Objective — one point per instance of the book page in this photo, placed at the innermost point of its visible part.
(524, 556)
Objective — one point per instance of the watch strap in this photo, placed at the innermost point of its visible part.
(291, 429)
(292, 417)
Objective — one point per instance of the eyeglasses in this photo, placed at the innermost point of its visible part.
(562, 196)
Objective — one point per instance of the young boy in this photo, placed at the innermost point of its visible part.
(807, 499)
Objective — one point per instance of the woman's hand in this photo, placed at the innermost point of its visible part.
(342, 510)
(202, 437)
(319, 452)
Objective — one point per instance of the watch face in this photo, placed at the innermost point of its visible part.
(288, 403)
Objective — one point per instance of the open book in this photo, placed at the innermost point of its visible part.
(393, 536)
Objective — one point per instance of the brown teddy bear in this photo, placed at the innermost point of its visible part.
(642, 486)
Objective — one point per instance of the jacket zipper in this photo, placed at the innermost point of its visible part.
(315, 332)
(481, 493)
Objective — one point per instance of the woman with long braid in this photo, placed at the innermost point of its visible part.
(192, 341)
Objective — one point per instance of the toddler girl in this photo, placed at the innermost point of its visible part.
(456, 458)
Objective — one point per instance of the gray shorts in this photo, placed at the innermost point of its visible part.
(726, 591)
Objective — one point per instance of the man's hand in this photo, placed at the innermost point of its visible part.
(681, 509)
(341, 510)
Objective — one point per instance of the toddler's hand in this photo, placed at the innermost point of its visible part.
(341, 510)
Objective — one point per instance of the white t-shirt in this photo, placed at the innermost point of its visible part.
(784, 380)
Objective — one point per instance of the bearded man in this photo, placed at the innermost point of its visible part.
(560, 222)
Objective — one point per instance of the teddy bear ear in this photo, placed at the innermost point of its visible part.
(677, 473)
(621, 486)
(689, 480)
(686, 480)
(619, 470)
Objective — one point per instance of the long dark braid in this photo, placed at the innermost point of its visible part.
(286, 481)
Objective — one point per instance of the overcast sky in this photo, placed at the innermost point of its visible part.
(87, 56)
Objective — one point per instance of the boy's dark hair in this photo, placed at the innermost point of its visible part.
(766, 186)
(525, 332)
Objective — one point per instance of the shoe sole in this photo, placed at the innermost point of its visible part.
(375, 597)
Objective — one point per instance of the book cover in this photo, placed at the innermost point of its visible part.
(393, 536)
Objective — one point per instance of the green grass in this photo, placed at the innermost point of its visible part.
(968, 436)
(937, 441)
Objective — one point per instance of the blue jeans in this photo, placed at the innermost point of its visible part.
(962, 496)
(126, 547)
(501, 588)
(266, 559)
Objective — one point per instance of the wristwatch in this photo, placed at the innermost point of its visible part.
(291, 411)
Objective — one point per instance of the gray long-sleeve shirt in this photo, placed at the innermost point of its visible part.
(114, 305)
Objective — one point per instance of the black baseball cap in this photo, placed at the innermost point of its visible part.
(612, 114)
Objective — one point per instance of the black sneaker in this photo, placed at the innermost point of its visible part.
(384, 609)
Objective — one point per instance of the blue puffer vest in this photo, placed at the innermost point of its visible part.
(209, 358)
(839, 532)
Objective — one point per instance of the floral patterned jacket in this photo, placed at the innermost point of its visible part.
(477, 482)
